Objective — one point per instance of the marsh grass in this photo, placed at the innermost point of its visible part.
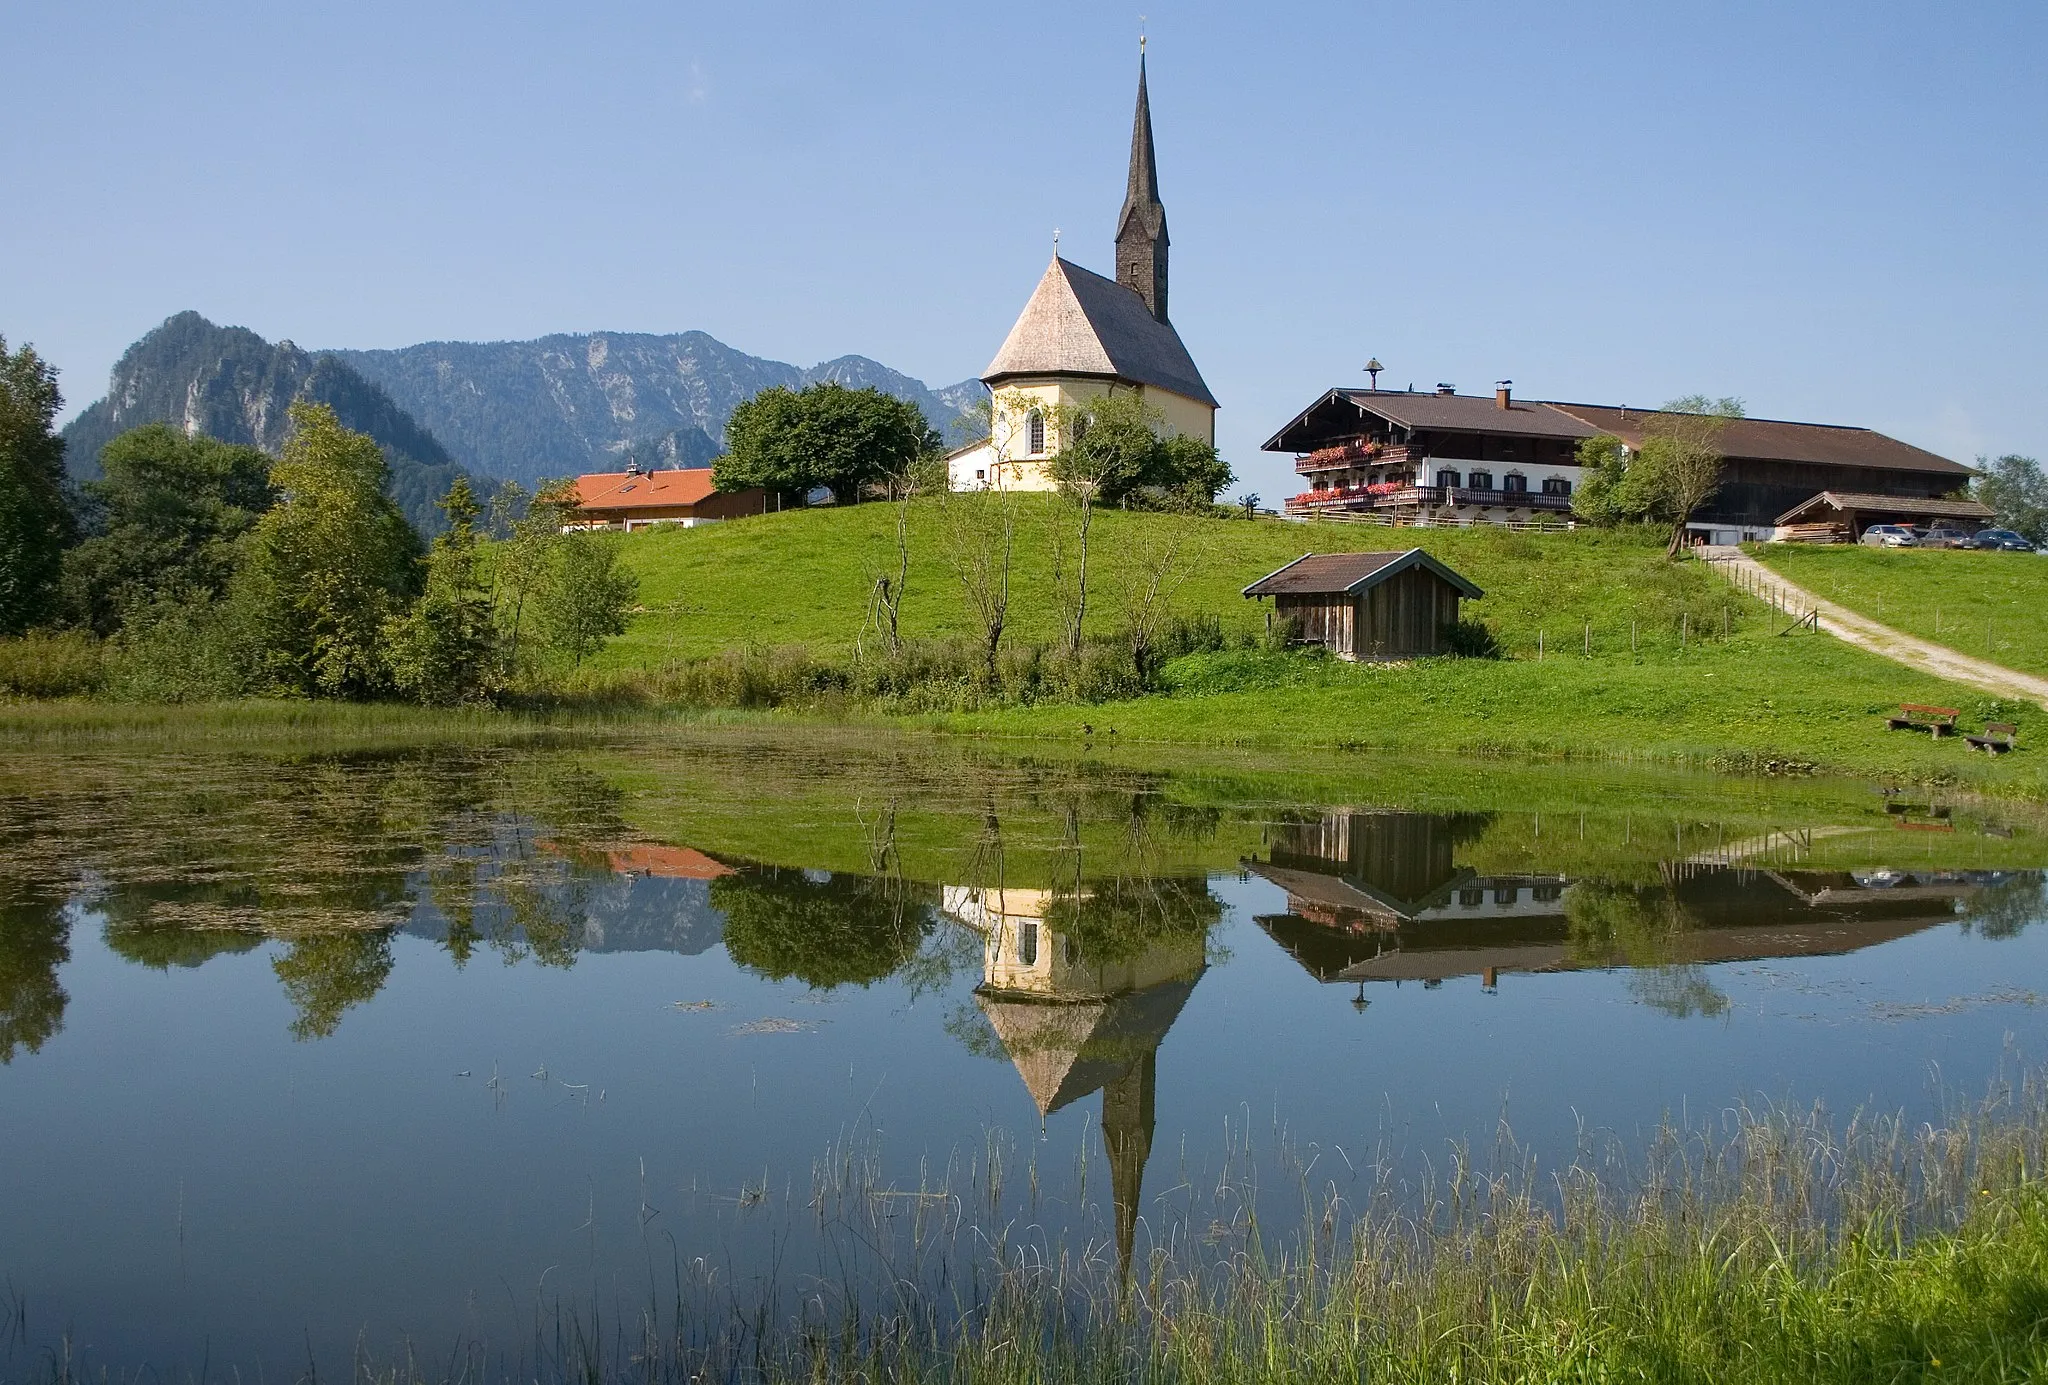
(1773, 1244)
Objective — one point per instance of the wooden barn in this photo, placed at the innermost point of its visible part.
(1368, 605)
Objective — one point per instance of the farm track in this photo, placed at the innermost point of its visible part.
(1863, 632)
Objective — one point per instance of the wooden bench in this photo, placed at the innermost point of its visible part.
(1998, 737)
(1915, 716)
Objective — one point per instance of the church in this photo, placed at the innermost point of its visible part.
(1081, 336)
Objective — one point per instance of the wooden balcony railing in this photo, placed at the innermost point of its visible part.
(1411, 497)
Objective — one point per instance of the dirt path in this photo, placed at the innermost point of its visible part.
(1865, 633)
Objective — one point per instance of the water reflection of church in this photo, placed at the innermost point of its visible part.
(1380, 896)
(1075, 1025)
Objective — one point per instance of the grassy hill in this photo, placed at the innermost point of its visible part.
(1992, 605)
(803, 577)
(1634, 662)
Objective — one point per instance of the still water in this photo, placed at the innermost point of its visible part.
(312, 1054)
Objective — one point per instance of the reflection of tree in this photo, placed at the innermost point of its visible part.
(1679, 991)
(1640, 926)
(824, 932)
(1116, 919)
(2004, 910)
(34, 941)
(327, 973)
(164, 948)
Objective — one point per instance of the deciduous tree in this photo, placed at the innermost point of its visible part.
(1682, 457)
(792, 441)
(328, 565)
(444, 651)
(584, 595)
(171, 509)
(2017, 492)
(35, 519)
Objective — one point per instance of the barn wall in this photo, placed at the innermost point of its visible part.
(1404, 616)
(1326, 620)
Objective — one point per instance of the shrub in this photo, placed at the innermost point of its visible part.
(171, 651)
(1471, 639)
(42, 665)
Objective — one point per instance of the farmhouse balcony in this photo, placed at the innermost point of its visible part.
(1415, 497)
(1354, 454)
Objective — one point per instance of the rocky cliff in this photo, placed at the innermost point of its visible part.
(231, 384)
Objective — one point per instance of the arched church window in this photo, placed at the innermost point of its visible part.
(1034, 432)
(1080, 427)
(1027, 944)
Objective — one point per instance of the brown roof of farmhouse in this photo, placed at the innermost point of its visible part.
(1079, 323)
(1339, 411)
(1347, 574)
(1778, 440)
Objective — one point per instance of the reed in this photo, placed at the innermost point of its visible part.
(1775, 1245)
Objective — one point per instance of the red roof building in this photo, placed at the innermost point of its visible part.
(636, 499)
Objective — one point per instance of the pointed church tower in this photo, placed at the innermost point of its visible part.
(1141, 226)
(1081, 336)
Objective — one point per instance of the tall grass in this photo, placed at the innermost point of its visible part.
(1773, 1246)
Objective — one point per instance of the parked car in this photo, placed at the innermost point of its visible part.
(1889, 536)
(2001, 541)
(1940, 536)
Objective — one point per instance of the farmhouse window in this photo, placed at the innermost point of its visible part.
(1556, 485)
(1514, 481)
(1480, 481)
(1447, 479)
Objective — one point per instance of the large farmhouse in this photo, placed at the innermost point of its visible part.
(1449, 457)
(1081, 336)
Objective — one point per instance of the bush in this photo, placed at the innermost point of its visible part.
(40, 665)
(173, 651)
(1471, 639)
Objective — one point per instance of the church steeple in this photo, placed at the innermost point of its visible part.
(1141, 226)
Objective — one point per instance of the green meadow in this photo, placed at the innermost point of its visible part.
(1608, 650)
(1990, 605)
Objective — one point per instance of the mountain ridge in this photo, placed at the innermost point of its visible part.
(229, 383)
(592, 401)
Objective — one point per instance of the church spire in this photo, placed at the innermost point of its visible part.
(1141, 225)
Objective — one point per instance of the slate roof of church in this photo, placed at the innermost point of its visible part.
(1079, 323)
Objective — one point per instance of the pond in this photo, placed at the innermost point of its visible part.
(317, 1056)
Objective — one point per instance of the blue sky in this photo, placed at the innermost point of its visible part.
(1832, 210)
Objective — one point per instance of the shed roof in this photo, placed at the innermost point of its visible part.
(1347, 574)
(1079, 323)
(1778, 440)
(643, 490)
(1901, 505)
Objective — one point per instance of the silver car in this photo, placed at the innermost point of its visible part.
(1889, 536)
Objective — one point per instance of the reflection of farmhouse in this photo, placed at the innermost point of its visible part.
(1379, 897)
(1073, 1026)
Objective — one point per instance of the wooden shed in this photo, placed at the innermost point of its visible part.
(1368, 605)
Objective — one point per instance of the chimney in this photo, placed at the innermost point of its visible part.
(1503, 393)
(1442, 388)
